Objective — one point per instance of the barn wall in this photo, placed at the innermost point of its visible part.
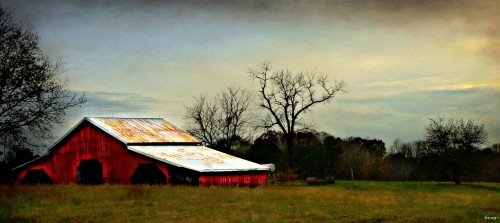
(89, 142)
(241, 179)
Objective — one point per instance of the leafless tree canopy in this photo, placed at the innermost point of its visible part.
(222, 121)
(286, 95)
(454, 141)
(354, 156)
(451, 136)
(32, 97)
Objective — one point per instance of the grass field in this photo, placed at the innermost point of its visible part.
(344, 201)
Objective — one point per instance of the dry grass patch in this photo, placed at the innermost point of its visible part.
(341, 202)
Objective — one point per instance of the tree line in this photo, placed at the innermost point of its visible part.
(318, 154)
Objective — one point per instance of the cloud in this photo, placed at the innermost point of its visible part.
(405, 115)
(432, 83)
(110, 104)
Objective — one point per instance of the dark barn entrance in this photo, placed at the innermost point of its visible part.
(148, 173)
(89, 172)
(183, 176)
(38, 176)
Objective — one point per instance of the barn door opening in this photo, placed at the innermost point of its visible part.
(148, 173)
(89, 172)
(183, 176)
(38, 176)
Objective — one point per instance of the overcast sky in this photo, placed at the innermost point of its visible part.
(404, 61)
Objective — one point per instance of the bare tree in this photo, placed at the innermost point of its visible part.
(222, 121)
(400, 157)
(286, 96)
(32, 96)
(203, 120)
(354, 156)
(235, 104)
(396, 146)
(454, 141)
(405, 149)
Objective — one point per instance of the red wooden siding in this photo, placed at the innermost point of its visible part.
(234, 180)
(89, 142)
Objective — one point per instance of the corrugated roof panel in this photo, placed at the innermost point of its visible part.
(198, 158)
(143, 130)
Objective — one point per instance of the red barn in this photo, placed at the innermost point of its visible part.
(137, 150)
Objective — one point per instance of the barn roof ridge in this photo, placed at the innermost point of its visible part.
(114, 117)
(142, 130)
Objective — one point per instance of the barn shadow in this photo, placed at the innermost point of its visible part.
(148, 173)
(38, 176)
(89, 172)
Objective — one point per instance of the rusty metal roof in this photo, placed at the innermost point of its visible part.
(143, 130)
(198, 158)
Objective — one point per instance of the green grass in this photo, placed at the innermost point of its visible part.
(344, 201)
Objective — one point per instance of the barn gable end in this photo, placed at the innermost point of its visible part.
(87, 142)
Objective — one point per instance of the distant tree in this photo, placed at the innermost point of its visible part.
(495, 147)
(315, 153)
(354, 157)
(32, 95)
(267, 149)
(286, 96)
(333, 149)
(489, 167)
(396, 146)
(418, 148)
(309, 155)
(364, 158)
(455, 142)
(222, 121)
(203, 118)
(402, 159)
(371, 145)
(405, 149)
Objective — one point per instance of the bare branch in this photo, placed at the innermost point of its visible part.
(222, 121)
(286, 95)
(33, 98)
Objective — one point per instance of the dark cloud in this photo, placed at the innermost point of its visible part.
(27, 8)
(479, 16)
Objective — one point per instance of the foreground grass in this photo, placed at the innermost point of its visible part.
(342, 202)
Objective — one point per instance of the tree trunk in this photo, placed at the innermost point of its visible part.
(352, 174)
(289, 146)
